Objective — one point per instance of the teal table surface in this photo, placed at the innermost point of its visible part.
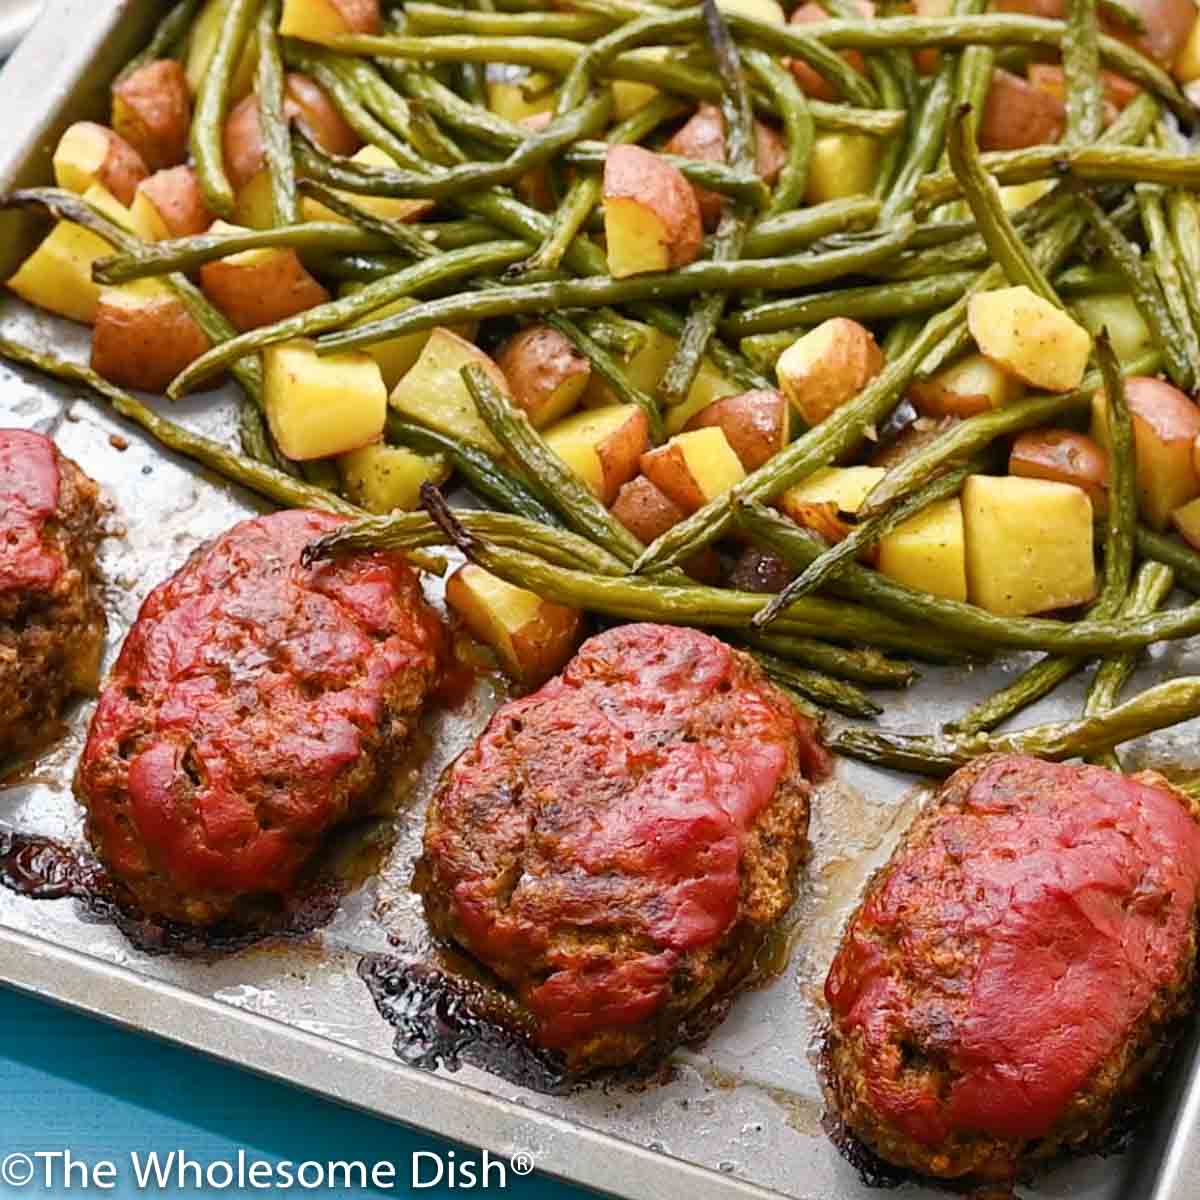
(68, 1083)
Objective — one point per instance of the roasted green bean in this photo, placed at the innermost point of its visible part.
(273, 122)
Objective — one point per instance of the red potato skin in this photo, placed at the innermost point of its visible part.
(123, 169)
(753, 424)
(1009, 969)
(1167, 22)
(648, 512)
(1164, 409)
(253, 296)
(242, 142)
(625, 171)
(175, 194)
(702, 138)
(361, 16)
(307, 105)
(1017, 114)
(145, 348)
(536, 362)
(256, 704)
(632, 793)
(811, 82)
(619, 453)
(1064, 456)
(158, 113)
(1118, 91)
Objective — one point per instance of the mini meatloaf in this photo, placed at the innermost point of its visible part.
(1017, 971)
(616, 845)
(256, 704)
(51, 617)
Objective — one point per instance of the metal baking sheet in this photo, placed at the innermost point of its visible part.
(740, 1117)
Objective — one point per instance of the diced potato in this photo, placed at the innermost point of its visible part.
(1165, 426)
(1115, 311)
(144, 335)
(321, 407)
(1186, 520)
(694, 468)
(1017, 114)
(254, 204)
(811, 81)
(532, 638)
(971, 385)
(390, 208)
(602, 446)
(1029, 337)
(89, 153)
(152, 111)
(308, 105)
(326, 20)
(651, 218)
(522, 94)
(382, 478)
(1066, 456)
(760, 10)
(702, 138)
(545, 373)
(646, 510)
(433, 392)
(841, 165)
(1167, 24)
(757, 424)
(1029, 544)
(202, 44)
(57, 276)
(928, 552)
(242, 143)
(912, 439)
(259, 287)
(170, 205)
(817, 501)
(1016, 196)
(1187, 65)
(828, 366)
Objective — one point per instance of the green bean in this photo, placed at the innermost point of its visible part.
(276, 139)
(798, 127)
(1149, 593)
(975, 433)
(764, 350)
(555, 483)
(993, 29)
(372, 92)
(1169, 276)
(784, 232)
(706, 310)
(436, 18)
(997, 230)
(1122, 15)
(446, 268)
(607, 368)
(1091, 164)
(167, 35)
(569, 219)
(1170, 551)
(774, 273)
(820, 689)
(1044, 676)
(840, 432)
(1157, 708)
(212, 103)
(861, 665)
(612, 332)
(1185, 233)
(865, 535)
(396, 235)
(727, 361)
(483, 474)
(632, 598)
(844, 118)
(275, 485)
(1144, 289)
(887, 72)
(539, 148)
(873, 302)
(1081, 65)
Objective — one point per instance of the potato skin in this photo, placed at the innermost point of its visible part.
(152, 111)
(545, 373)
(145, 346)
(263, 292)
(242, 142)
(755, 424)
(811, 82)
(176, 197)
(648, 512)
(847, 359)
(308, 105)
(633, 173)
(122, 169)
(361, 16)
(1065, 456)
(1017, 114)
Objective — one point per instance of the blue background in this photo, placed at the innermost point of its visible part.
(70, 1082)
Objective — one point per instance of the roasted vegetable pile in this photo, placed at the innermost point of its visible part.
(859, 334)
